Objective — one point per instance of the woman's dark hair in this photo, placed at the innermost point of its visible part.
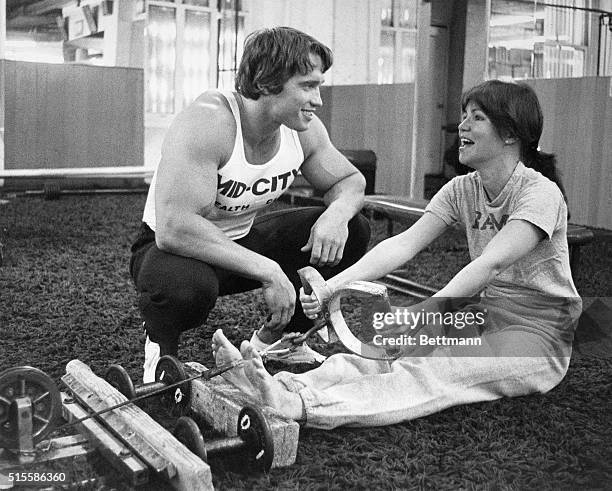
(273, 56)
(515, 112)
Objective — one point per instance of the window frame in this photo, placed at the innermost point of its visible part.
(397, 32)
(162, 120)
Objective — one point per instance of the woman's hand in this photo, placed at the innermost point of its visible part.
(310, 305)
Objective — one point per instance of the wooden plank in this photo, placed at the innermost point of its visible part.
(90, 399)
(347, 122)
(219, 404)
(579, 166)
(112, 449)
(394, 147)
(601, 206)
(20, 139)
(153, 443)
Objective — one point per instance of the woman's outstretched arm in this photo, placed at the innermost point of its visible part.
(517, 239)
(392, 252)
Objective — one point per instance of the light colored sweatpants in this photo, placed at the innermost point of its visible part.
(347, 390)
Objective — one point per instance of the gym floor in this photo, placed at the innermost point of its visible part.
(65, 293)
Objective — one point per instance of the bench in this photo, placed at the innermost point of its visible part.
(51, 187)
(397, 208)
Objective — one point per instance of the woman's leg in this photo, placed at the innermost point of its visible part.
(419, 386)
(353, 391)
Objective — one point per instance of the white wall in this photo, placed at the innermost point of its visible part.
(476, 42)
(2, 48)
(118, 35)
(348, 27)
(2, 27)
(351, 28)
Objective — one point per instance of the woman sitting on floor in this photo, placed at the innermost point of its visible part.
(515, 218)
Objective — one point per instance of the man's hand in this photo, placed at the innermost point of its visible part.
(279, 296)
(326, 242)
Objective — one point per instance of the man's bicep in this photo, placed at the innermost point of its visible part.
(327, 168)
(187, 174)
(185, 185)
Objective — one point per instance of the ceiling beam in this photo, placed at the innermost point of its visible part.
(46, 6)
(31, 21)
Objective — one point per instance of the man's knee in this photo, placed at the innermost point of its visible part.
(186, 303)
(192, 300)
(176, 293)
(359, 230)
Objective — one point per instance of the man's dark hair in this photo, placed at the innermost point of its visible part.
(272, 56)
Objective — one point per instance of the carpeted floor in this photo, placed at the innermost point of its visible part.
(65, 293)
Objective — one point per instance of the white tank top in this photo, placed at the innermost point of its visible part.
(242, 188)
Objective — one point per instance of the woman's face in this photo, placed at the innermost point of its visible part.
(479, 141)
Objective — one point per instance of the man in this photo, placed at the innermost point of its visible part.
(225, 158)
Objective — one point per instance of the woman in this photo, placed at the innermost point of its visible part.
(515, 217)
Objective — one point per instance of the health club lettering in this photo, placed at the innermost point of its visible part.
(490, 222)
(264, 185)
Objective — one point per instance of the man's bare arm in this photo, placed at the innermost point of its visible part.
(328, 170)
(200, 140)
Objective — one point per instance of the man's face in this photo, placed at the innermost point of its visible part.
(295, 105)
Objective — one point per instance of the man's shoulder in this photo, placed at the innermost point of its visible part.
(210, 107)
(207, 121)
(314, 137)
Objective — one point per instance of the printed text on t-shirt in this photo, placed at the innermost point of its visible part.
(490, 222)
(235, 189)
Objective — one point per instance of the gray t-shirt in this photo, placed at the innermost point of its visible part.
(529, 196)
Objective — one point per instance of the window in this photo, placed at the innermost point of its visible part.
(231, 41)
(557, 39)
(191, 45)
(397, 51)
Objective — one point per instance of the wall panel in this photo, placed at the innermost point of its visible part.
(72, 116)
(377, 118)
(578, 130)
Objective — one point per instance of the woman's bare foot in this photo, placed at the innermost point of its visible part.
(225, 352)
(252, 377)
(271, 391)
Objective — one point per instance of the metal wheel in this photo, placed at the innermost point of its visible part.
(255, 431)
(20, 382)
(118, 377)
(169, 371)
(188, 433)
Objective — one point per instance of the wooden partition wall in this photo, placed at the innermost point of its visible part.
(578, 129)
(378, 118)
(72, 116)
(86, 116)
